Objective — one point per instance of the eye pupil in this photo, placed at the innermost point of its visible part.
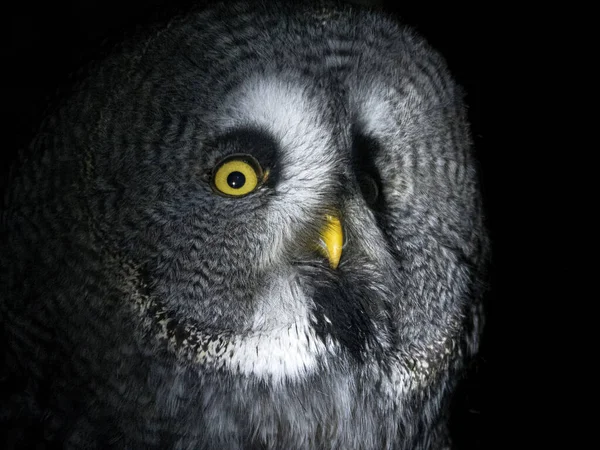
(236, 180)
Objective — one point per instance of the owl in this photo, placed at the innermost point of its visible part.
(255, 226)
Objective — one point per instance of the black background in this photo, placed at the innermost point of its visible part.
(49, 40)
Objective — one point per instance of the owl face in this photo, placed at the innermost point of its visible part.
(281, 207)
(280, 251)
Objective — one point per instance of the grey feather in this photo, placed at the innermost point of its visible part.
(145, 310)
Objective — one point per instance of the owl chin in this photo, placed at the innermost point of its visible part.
(306, 313)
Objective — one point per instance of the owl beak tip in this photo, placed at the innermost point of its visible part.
(332, 238)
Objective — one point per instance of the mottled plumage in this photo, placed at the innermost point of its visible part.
(144, 309)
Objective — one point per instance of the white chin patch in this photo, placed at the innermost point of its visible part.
(282, 344)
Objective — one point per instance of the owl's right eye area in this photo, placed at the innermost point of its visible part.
(237, 175)
(369, 188)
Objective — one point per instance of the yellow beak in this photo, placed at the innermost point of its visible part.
(332, 239)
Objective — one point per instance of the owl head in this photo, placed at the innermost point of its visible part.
(242, 204)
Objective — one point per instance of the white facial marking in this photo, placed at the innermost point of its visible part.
(282, 343)
(293, 118)
(307, 152)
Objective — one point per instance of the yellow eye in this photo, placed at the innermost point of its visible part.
(237, 175)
